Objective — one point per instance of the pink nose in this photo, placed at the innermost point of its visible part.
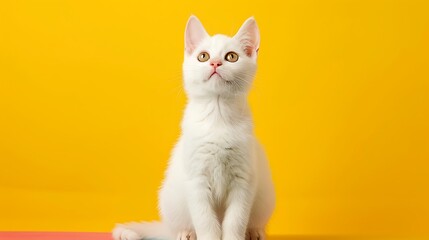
(215, 63)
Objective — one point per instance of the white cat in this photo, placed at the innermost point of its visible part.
(218, 184)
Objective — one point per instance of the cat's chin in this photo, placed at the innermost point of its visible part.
(215, 85)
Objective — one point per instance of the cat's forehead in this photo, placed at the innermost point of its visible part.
(219, 43)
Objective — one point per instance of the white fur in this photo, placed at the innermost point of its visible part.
(218, 184)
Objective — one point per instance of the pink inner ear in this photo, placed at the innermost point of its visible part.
(248, 45)
(194, 34)
(193, 41)
(248, 50)
(248, 35)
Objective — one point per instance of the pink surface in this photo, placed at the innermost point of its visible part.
(54, 236)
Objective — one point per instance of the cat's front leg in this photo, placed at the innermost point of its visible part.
(237, 212)
(204, 218)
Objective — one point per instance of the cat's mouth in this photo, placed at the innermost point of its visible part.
(214, 74)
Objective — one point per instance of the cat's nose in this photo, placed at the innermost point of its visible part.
(216, 63)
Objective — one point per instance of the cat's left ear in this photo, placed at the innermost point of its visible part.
(248, 35)
(194, 34)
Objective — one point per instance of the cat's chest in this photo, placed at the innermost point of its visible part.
(219, 154)
(218, 142)
(219, 146)
(219, 163)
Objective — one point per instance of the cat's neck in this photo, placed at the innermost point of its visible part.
(217, 109)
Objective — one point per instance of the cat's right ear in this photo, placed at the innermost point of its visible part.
(194, 34)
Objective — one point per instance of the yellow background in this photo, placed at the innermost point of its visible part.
(91, 100)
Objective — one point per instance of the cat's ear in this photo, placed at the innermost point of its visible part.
(248, 35)
(194, 34)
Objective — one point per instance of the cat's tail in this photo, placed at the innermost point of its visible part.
(140, 230)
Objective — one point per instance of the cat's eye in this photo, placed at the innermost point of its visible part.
(203, 57)
(231, 57)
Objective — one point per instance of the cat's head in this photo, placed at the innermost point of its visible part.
(219, 65)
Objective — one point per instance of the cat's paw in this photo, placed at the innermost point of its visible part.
(255, 234)
(123, 233)
(187, 235)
